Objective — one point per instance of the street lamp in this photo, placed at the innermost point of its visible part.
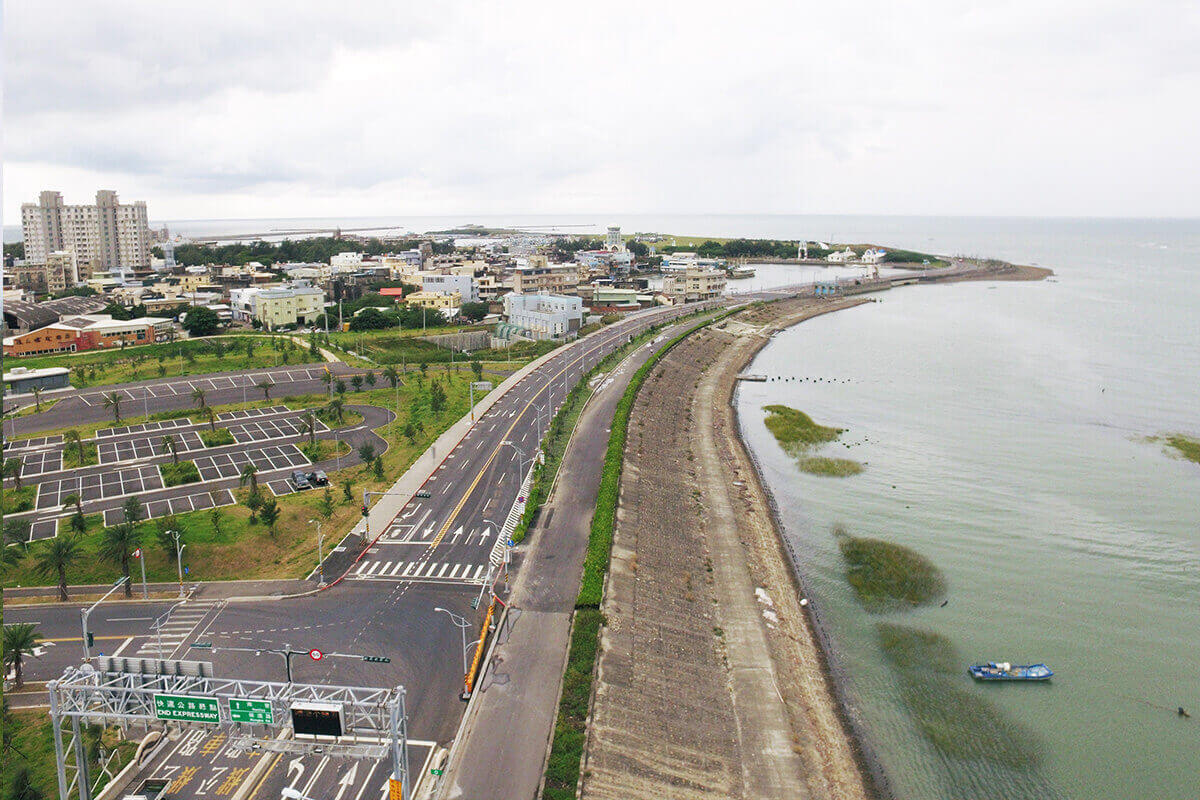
(520, 461)
(462, 624)
(320, 557)
(178, 558)
(87, 654)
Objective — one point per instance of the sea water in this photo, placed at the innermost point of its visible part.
(1008, 434)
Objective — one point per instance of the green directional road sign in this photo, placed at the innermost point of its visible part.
(186, 709)
(256, 711)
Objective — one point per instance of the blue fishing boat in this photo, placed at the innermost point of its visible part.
(1004, 671)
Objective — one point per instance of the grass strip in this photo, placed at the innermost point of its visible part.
(562, 768)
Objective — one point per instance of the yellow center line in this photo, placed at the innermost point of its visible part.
(466, 496)
(263, 780)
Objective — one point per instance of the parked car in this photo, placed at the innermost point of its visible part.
(318, 478)
(300, 480)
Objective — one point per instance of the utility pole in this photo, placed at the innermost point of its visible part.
(87, 653)
(462, 624)
(140, 556)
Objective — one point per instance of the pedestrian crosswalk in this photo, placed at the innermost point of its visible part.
(169, 631)
(443, 571)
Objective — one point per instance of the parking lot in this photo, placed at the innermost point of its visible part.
(39, 463)
(250, 413)
(31, 444)
(117, 483)
(247, 381)
(267, 429)
(148, 427)
(146, 446)
(230, 465)
(174, 505)
(43, 529)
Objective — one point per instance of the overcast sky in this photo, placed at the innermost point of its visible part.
(273, 109)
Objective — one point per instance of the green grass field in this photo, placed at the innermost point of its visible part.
(830, 467)
(796, 431)
(172, 360)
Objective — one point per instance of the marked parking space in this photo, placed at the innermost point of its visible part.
(118, 483)
(41, 462)
(249, 413)
(43, 529)
(230, 465)
(147, 427)
(35, 443)
(167, 506)
(216, 383)
(266, 430)
(281, 487)
(146, 446)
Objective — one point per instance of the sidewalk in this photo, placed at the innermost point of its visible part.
(216, 590)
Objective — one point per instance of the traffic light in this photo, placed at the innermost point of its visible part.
(364, 509)
(377, 659)
(91, 639)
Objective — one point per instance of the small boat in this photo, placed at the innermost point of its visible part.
(741, 272)
(1004, 671)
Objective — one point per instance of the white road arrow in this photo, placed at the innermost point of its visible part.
(346, 781)
(296, 764)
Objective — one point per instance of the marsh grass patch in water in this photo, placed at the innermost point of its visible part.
(1186, 446)
(952, 715)
(799, 435)
(887, 576)
(830, 467)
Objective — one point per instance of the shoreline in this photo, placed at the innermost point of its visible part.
(832, 670)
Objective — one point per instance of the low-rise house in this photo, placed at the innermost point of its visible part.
(447, 303)
(88, 332)
(544, 316)
(694, 285)
(842, 256)
(277, 307)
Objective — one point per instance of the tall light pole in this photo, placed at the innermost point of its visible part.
(462, 624)
(87, 653)
(178, 558)
(320, 556)
(520, 461)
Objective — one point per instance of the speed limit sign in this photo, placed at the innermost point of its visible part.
(315, 655)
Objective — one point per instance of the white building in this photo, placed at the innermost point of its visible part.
(105, 237)
(842, 256)
(543, 316)
(613, 242)
(694, 285)
(448, 284)
(874, 256)
(277, 307)
(342, 261)
(682, 262)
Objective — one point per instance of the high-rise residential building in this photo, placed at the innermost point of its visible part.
(105, 237)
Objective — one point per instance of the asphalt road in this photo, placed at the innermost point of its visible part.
(427, 556)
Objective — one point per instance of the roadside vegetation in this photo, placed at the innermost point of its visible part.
(950, 713)
(28, 757)
(175, 359)
(887, 576)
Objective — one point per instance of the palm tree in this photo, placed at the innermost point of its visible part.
(37, 399)
(393, 377)
(118, 544)
(308, 424)
(19, 642)
(16, 532)
(212, 418)
(249, 476)
(266, 387)
(54, 559)
(337, 409)
(113, 401)
(327, 377)
(12, 469)
(198, 398)
(72, 437)
(73, 500)
(168, 444)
